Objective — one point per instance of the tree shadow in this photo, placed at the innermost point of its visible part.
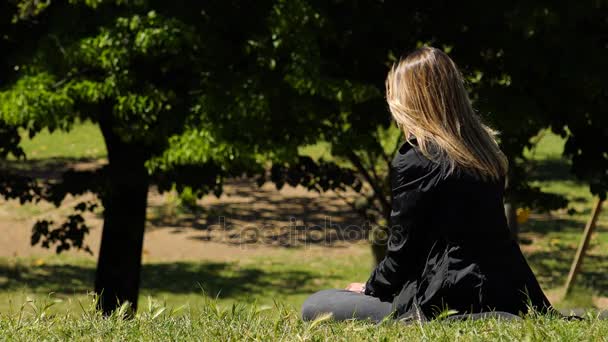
(550, 170)
(63, 279)
(552, 266)
(252, 214)
(544, 224)
(50, 169)
(222, 280)
(225, 280)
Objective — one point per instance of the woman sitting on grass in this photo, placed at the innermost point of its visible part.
(449, 246)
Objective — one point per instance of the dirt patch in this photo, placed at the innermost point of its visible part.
(247, 220)
(601, 302)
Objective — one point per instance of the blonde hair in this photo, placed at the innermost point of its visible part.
(428, 100)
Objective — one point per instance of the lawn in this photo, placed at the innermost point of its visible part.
(82, 142)
(287, 276)
(212, 322)
(254, 299)
(257, 298)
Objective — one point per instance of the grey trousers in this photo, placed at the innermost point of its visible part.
(343, 305)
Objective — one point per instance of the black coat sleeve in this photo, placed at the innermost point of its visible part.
(388, 277)
(410, 174)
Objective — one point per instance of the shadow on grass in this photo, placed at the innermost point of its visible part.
(552, 266)
(550, 170)
(50, 169)
(547, 224)
(222, 280)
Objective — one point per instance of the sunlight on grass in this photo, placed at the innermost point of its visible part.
(549, 146)
(320, 150)
(83, 141)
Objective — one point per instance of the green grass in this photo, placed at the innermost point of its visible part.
(289, 277)
(256, 299)
(549, 147)
(211, 322)
(83, 141)
(555, 237)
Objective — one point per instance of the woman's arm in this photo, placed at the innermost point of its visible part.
(412, 177)
(389, 276)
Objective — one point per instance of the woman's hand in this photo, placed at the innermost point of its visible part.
(356, 287)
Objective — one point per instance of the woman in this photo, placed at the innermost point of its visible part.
(450, 246)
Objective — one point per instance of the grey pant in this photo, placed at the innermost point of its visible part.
(343, 305)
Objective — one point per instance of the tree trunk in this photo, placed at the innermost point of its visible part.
(379, 239)
(380, 235)
(125, 202)
(379, 242)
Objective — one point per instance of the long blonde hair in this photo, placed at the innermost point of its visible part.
(427, 98)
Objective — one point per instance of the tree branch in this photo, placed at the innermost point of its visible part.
(386, 206)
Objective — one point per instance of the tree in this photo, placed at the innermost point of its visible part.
(140, 70)
(172, 87)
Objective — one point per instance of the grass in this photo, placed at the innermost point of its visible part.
(211, 322)
(83, 141)
(255, 299)
(245, 322)
(258, 298)
(554, 238)
(290, 276)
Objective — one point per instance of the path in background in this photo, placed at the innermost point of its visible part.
(246, 220)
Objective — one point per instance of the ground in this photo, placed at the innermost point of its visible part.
(248, 246)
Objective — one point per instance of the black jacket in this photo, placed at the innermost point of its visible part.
(450, 246)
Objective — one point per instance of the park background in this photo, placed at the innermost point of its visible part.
(271, 115)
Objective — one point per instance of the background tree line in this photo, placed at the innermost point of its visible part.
(189, 93)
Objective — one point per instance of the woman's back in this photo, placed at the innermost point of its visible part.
(457, 245)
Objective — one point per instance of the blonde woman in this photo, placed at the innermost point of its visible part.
(450, 247)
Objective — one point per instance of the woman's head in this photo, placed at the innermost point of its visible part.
(427, 98)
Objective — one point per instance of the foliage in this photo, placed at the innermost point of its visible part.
(138, 73)
(68, 235)
(9, 138)
(143, 72)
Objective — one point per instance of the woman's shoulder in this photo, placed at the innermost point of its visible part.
(410, 157)
(411, 162)
(411, 169)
